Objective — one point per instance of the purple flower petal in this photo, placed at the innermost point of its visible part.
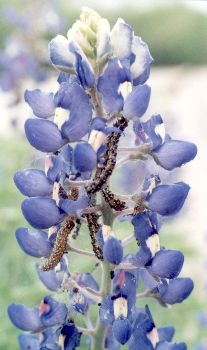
(43, 135)
(173, 154)
(178, 290)
(140, 68)
(49, 279)
(167, 263)
(108, 85)
(56, 312)
(60, 55)
(137, 102)
(35, 244)
(168, 199)
(72, 207)
(72, 96)
(25, 318)
(113, 251)
(28, 341)
(41, 212)
(166, 333)
(84, 157)
(122, 330)
(83, 67)
(33, 183)
(42, 103)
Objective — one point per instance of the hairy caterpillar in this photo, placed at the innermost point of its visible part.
(60, 245)
(72, 194)
(113, 201)
(104, 170)
(94, 226)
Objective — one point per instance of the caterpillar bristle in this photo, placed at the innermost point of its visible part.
(113, 201)
(60, 245)
(94, 226)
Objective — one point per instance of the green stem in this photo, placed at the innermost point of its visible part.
(99, 334)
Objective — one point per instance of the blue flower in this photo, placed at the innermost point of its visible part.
(113, 250)
(112, 99)
(173, 154)
(33, 183)
(42, 103)
(168, 199)
(167, 263)
(60, 55)
(43, 135)
(36, 244)
(137, 102)
(84, 157)
(41, 212)
(28, 341)
(73, 97)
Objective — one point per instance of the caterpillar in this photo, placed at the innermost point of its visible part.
(113, 201)
(72, 194)
(60, 246)
(94, 226)
(104, 170)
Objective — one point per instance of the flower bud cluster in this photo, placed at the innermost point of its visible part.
(101, 93)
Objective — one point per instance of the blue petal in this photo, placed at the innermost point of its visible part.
(148, 280)
(167, 263)
(72, 96)
(25, 318)
(28, 341)
(137, 102)
(84, 157)
(125, 283)
(108, 85)
(72, 207)
(42, 103)
(41, 212)
(151, 132)
(106, 311)
(168, 199)
(43, 135)
(178, 290)
(33, 183)
(166, 333)
(71, 336)
(122, 330)
(57, 312)
(60, 55)
(145, 225)
(113, 251)
(83, 68)
(121, 39)
(110, 342)
(140, 68)
(35, 244)
(49, 279)
(87, 280)
(173, 154)
(143, 256)
(55, 166)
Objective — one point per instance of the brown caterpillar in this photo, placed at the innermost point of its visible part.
(113, 201)
(60, 246)
(73, 193)
(94, 226)
(104, 170)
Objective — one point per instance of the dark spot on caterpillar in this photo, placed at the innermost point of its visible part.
(60, 245)
(73, 193)
(75, 290)
(113, 201)
(105, 170)
(94, 226)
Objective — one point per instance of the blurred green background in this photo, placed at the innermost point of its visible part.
(176, 36)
